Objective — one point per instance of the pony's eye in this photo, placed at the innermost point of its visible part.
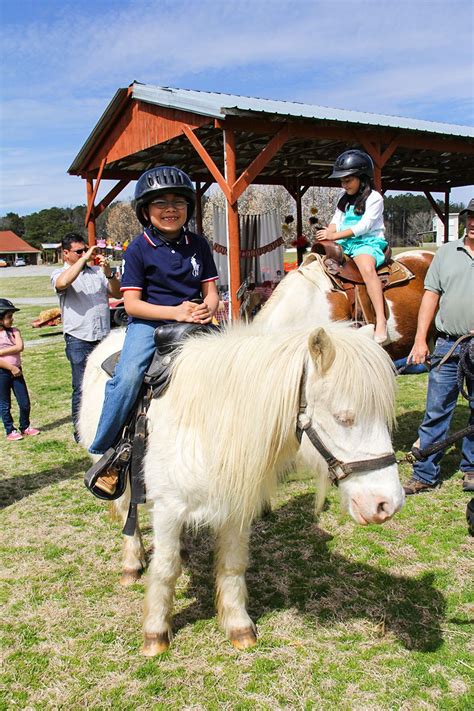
(345, 418)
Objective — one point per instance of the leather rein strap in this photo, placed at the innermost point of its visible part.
(337, 470)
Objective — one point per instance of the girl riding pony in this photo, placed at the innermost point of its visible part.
(358, 227)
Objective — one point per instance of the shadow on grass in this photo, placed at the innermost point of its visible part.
(56, 423)
(292, 567)
(17, 488)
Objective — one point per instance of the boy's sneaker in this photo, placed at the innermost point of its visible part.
(31, 431)
(14, 435)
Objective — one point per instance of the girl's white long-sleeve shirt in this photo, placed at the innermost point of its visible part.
(371, 222)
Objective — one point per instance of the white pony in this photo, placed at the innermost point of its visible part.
(225, 430)
(300, 299)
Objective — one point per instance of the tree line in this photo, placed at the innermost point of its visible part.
(408, 217)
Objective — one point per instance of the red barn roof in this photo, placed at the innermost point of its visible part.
(11, 243)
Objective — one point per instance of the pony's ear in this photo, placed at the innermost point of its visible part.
(367, 331)
(321, 349)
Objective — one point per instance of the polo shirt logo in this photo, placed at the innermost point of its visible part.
(195, 265)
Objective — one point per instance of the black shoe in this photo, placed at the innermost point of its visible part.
(415, 486)
(468, 481)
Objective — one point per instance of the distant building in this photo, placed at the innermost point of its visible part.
(438, 228)
(13, 247)
(51, 252)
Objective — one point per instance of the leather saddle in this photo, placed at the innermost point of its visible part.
(168, 339)
(346, 277)
(126, 456)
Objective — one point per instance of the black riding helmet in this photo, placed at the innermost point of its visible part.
(164, 179)
(6, 307)
(353, 162)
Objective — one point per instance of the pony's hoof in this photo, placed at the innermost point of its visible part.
(155, 644)
(243, 638)
(129, 577)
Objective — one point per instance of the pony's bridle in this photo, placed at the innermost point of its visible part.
(337, 470)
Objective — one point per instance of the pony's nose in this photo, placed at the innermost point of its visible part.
(383, 512)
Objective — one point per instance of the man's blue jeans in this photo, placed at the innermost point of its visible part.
(77, 353)
(18, 385)
(441, 400)
(122, 389)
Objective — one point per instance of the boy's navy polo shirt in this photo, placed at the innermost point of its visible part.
(168, 273)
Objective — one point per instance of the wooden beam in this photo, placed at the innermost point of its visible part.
(257, 165)
(233, 229)
(90, 203)
(198, 208)
(207, 160)
(90, 206)
(111, 195)
(299, 226)
(446, 216)
(434, 205)
(347, 132)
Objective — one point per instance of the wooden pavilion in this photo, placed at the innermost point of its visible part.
(235, 141)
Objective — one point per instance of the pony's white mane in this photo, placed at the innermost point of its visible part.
(247, 440)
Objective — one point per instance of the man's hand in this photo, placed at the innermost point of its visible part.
(419, 353)
(104, 265)
(15, 371)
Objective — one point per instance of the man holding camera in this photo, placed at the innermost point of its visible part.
(83, 292)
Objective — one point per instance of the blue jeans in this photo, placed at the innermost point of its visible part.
(122, 389)
(441, 400)
(77, 353)
(412, 369)
(18, 385)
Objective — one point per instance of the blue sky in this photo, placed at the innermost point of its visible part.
(62, 62)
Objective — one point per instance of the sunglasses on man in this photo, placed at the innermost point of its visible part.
(78, 251)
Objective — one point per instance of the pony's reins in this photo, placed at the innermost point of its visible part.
(337, 469)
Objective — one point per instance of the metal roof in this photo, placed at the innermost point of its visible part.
(219, 105)
(427, 156)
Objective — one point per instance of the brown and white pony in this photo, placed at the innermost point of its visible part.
(306, 297)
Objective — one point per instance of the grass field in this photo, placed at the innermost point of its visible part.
(348, 617)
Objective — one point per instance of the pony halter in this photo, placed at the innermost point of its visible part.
(337, 470)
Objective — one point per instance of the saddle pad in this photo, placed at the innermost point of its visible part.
(398, 274)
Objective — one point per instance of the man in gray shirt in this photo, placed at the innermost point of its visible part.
(84, 301)
(449, 294)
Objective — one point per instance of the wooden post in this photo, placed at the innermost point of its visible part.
(377, 177)
(90, 210)
(446, 216)
(198, 208)
(233, 234)
(300, 251)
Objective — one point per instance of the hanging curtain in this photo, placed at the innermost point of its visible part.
(256, 232)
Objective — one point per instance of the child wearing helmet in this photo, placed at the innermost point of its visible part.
(11, 376)
(358, 226)
(166, 269)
